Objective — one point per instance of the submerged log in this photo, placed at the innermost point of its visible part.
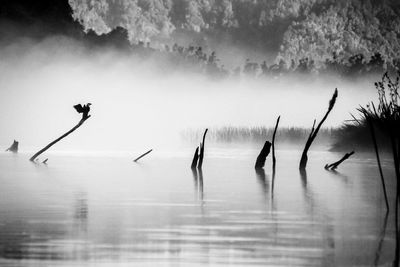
(334, 165)
(14, 147)
(85, 115)
(144, 154)
(314, 132)
(260, 162)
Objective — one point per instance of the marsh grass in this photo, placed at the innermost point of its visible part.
(286, 135)
(386, 118)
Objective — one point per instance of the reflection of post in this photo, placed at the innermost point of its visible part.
(303, 176)
(273, 184)
(201, 189)
(198, 182)
(262, 178)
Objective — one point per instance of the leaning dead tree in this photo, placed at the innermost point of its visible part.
(85, 115)
(334, 165)
(144, 154)
(199, 153)
(314, 132)
(14, 147)
(273, 145)
(260, 162)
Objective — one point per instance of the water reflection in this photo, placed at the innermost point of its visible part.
(81, 212)
(343, 177)
(104, 211)
(198, 183)
(381, 239)
(263, 181)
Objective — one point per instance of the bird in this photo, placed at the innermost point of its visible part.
(83, 109)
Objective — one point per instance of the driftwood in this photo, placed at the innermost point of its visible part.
(45, 161)
(260, 162)
(273, 145)
(199, 154)
(144, 154)
(85, 115)
(334, 165)
(314, 132)
(14, 147)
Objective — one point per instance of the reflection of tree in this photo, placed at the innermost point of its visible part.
(326, 224)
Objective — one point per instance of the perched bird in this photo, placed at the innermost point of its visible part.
(83, 109)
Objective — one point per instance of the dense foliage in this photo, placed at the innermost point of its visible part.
(311, 34)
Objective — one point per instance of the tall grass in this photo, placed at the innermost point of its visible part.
(231, 134)
(386, 118)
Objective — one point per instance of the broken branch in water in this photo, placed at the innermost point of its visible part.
(314, 132)
(85, 115)
(334, 165)
(273, 144)
(141, 156)
(201, 155)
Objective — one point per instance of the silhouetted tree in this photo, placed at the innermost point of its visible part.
(84, 110)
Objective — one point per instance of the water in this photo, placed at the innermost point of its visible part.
(105, 210)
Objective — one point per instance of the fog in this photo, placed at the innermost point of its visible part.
(138, 104)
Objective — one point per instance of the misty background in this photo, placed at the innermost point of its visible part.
(55, 54)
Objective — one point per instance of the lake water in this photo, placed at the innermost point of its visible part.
(105, 210)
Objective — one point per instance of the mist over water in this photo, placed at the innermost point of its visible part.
(141, 103)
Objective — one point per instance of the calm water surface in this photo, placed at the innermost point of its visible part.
(105, 210)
